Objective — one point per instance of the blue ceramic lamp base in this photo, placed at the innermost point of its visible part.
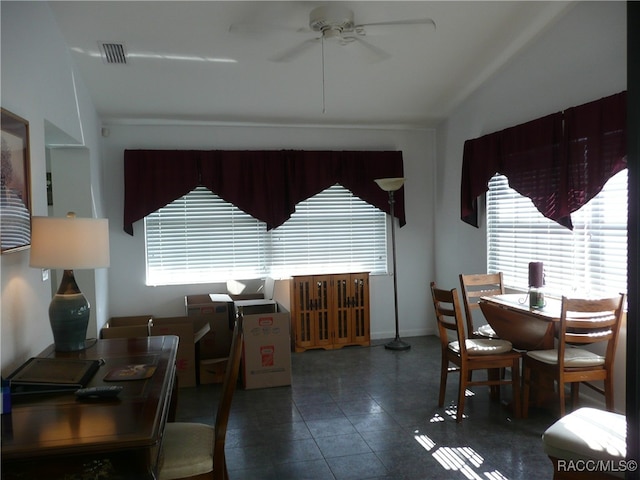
(69, 315)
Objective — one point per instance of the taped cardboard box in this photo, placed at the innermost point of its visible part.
(219, 311)
(127, 327)
(191, 330)
(266, 351)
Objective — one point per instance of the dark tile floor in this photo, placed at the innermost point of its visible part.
(371, 413)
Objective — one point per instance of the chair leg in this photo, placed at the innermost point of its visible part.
(444, 369)
(462, 388)
(494, 374)
(562, 398)
(608, 392)
(526, 380)
(515, 382)
(575, 394)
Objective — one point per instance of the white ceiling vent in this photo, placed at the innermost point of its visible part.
(113, 52)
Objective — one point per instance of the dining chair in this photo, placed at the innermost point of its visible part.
(195, 451)
(469, 354)
(474, 286)
(582, 322)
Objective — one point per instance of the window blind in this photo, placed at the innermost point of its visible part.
(590, 260)
(200, 238)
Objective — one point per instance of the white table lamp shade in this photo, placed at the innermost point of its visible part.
(69, 243)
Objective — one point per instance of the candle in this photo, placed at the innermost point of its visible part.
(536, 274)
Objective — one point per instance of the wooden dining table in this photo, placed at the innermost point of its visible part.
(526, 328)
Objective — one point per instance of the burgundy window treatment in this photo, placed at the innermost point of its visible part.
(560, 161)
(265, 184)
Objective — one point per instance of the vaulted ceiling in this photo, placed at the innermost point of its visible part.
(241, 61)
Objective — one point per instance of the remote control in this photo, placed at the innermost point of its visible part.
(99, 392)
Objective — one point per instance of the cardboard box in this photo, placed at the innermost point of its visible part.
(266, 351)
(253, 307)
(191, 330)
(127, 327)
(212, 370)
(220, 313)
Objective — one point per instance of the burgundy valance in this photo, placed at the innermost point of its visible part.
(560, 161)
(265, 184)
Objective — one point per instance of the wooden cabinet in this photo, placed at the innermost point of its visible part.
(330, 311)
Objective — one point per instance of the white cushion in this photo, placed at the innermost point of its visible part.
(573, 357)
(187, 450)
(481, 346)
(588, 434)
(487, 331)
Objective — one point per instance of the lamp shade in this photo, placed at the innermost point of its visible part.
(390, 184)
(69, 243)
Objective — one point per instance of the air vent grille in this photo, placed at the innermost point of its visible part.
(113, 53)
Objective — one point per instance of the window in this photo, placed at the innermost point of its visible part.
(200, 238)
(591, 259)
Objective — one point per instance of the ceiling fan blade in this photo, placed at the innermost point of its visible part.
(292, 53)
(245, 28)
(415, 21)
(372, 53)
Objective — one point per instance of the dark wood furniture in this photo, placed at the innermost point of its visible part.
(471, 354)
(56, 436)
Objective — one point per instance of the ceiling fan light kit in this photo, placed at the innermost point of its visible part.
(331, 17)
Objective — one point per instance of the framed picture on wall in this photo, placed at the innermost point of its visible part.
(15, 195)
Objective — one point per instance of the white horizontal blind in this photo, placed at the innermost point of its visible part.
(590, 260)
(334, 231)
(200, 238)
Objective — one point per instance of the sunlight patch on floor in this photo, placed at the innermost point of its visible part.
(452, 411)
(462, 459)
(437, 418)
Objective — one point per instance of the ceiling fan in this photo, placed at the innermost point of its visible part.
(335, 23)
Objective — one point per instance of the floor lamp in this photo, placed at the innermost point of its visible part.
(390, 185)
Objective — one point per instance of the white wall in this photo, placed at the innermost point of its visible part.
(130, 296)
(38, 85)
(580, 58)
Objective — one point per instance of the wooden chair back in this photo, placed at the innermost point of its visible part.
(449, 317)
(584, 322)
(474, 286)
(477, 354)
(224, 406)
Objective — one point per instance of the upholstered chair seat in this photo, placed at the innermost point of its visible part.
(479, 346)
(573, 357)
(187, 450)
